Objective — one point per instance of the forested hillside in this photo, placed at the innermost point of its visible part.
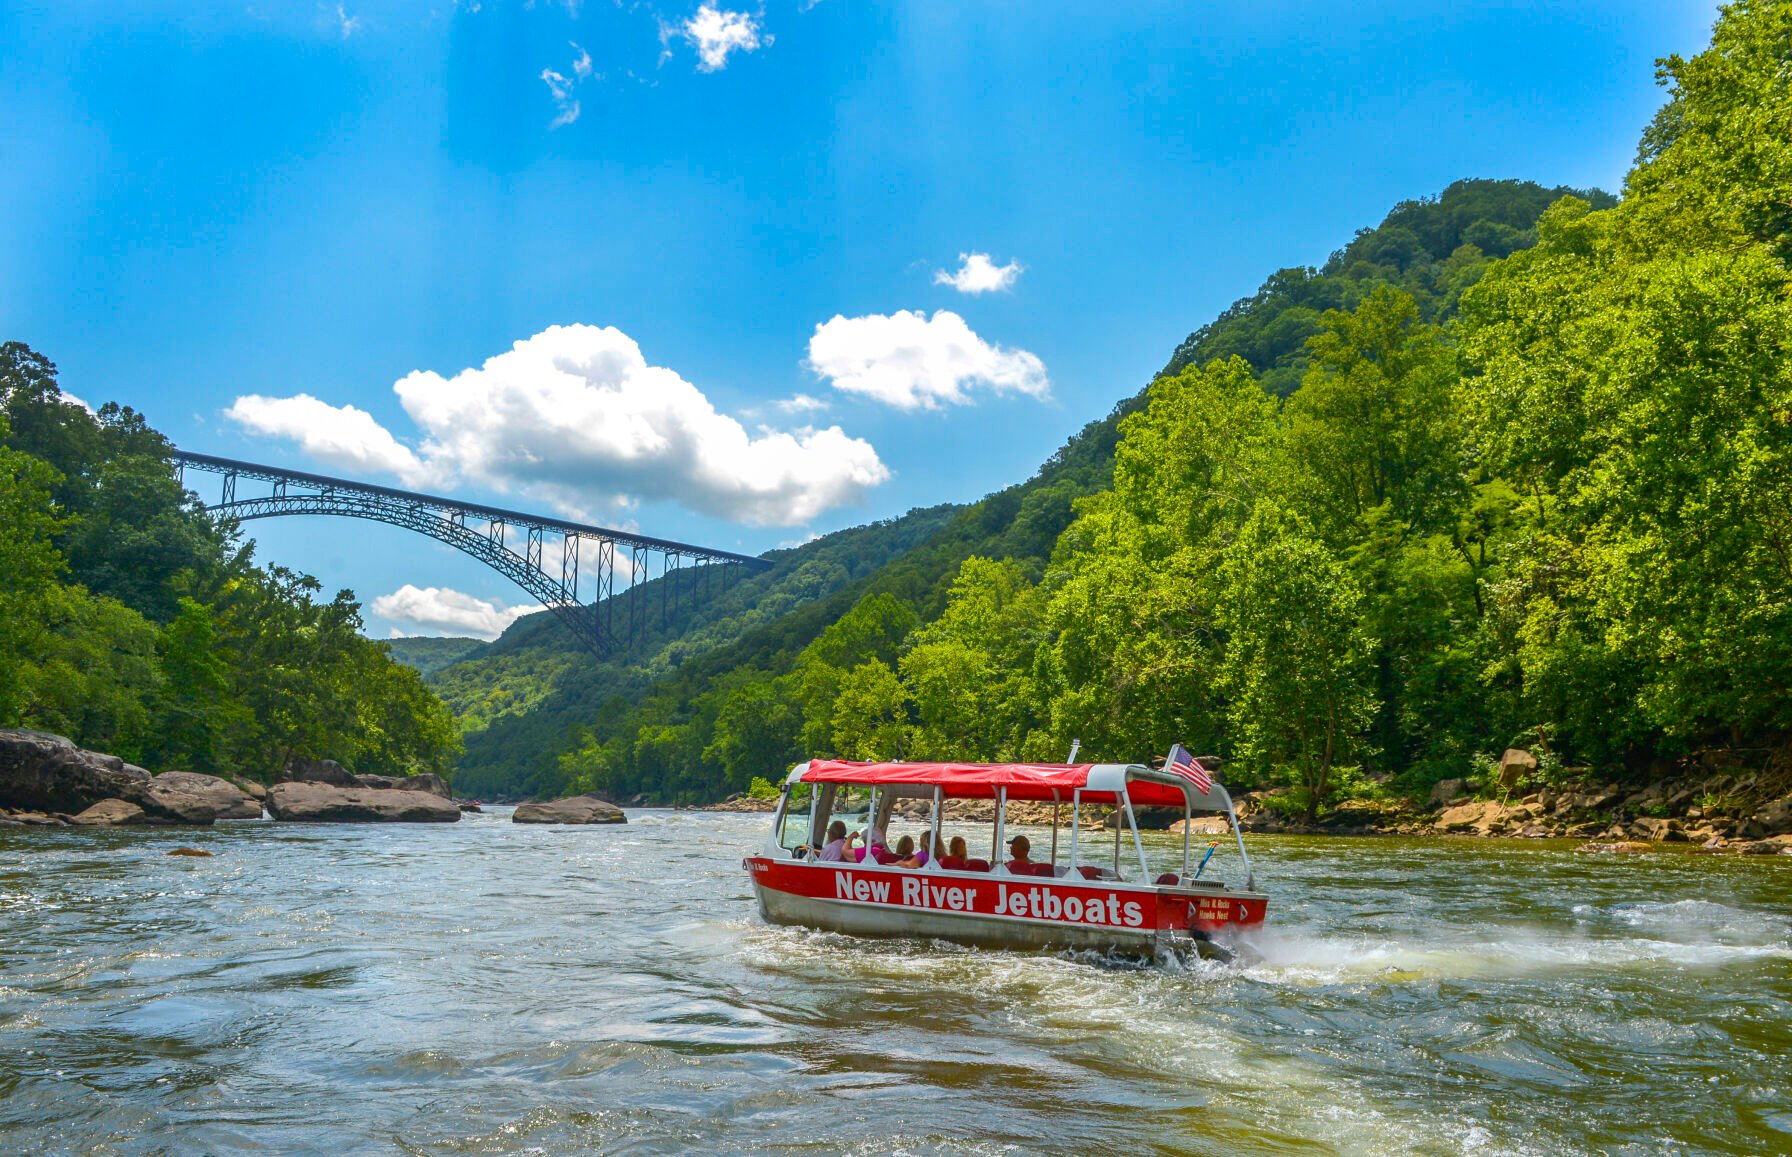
(429, 654)
(1513, 467)
(1431, 250)
(666, 718)
(133, 624)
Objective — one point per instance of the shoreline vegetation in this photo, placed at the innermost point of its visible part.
(1724, 813)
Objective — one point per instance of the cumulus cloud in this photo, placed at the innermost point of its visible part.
(346, 25)
(581, 64)
(576, 411)
(914, 362)
(342, 436)
(715, 32)
(442, 610)
(978, 274)
(577, 418)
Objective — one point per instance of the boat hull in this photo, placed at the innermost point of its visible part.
(1014, 912)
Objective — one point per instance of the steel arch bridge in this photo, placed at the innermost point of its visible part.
(486, 533)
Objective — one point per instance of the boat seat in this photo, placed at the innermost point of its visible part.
(976, 865)
(952, 863)
(1170, 878)
(1043, 870)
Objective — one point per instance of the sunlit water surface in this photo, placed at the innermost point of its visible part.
(493, 988)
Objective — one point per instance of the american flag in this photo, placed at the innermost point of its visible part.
(1187, 766)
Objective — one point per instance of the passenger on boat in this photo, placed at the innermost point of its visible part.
(839, 843)
(906, 855)
(1020, 847)
(954, 859)
(877, 850)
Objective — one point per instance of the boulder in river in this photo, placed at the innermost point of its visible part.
(1616, 847)
(39, 770)
(227, 800)
(1202, 826)
(304, 802)
(110, 813)
(578, 809)
(320, 771)
(429, 782)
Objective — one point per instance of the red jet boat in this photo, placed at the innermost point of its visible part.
(1088, 899)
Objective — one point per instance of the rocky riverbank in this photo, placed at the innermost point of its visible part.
(1741, 812)
(1718, 811)
(46, 780)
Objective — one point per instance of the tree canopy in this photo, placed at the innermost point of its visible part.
(133, 623)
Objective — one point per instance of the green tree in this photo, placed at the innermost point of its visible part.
(1296, 658)
(29, 566)
(871, 718)
(192, 709)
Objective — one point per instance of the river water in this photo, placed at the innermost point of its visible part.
(495, 988)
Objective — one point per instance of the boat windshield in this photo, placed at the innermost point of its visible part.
(799, 818)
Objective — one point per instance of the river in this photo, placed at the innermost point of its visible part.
(495, 988)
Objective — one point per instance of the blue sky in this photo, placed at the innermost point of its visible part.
(748, 223)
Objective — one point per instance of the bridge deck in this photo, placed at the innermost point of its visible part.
(267, 473)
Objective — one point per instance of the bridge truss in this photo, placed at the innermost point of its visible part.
(591, 555)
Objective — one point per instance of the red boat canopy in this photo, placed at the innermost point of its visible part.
(1024, 781)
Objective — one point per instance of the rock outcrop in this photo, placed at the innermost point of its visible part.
(433, 784)
(109, 813)
(1202, 826)
(578, 809)
(320, 771)
(1447, 790)
(311, 802)
(1515, 764)
(47, 772)
(227, 800)
(44, 772)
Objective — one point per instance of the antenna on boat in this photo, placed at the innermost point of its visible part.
(1076, 745)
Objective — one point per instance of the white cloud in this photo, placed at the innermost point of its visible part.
(341, 436)
(581, 64)
(564, 100)
(576, 411)
(442, 610)
(978, 274)
(715, 32)
(911, 361)
(577, 418)
(345, 24)
(801, 404)
(74, 401)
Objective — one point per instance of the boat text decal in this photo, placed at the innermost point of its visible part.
(1036, 902)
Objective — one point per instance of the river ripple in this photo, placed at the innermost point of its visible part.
(495, 988)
